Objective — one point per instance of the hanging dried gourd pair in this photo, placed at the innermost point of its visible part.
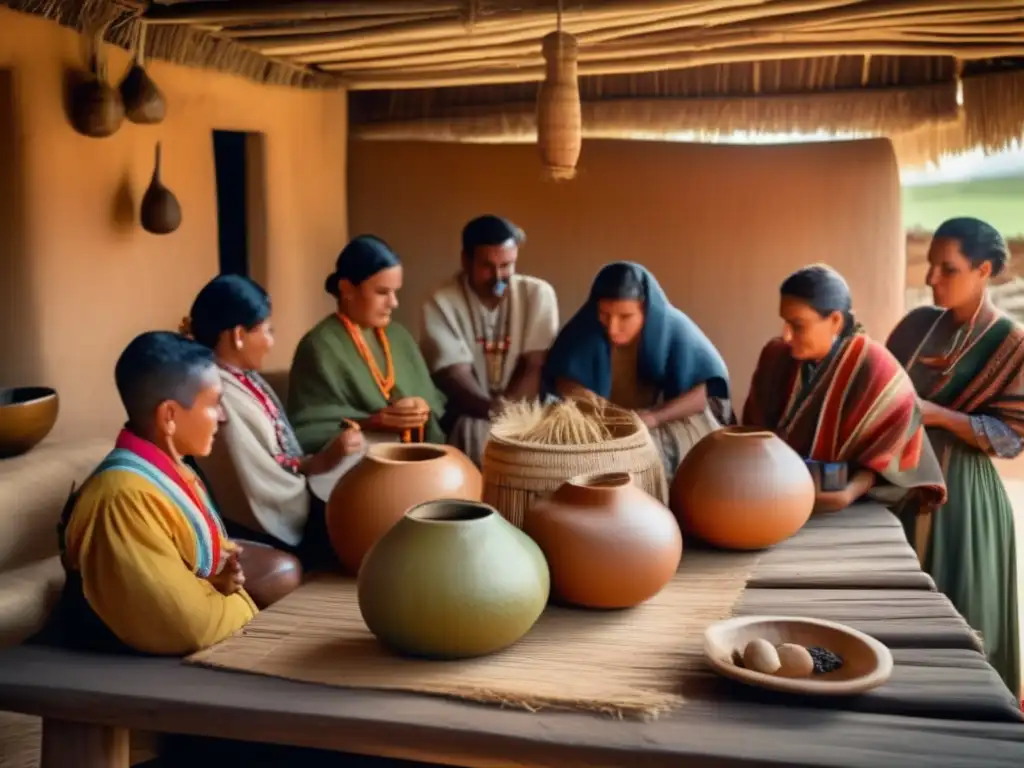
(97, 109)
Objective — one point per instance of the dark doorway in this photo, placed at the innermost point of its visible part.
(229, 157)
(21, 362)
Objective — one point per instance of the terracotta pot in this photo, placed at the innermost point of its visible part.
(452, 580)
(377, 492)
(609, 544)
(27, 414)
(270, 574)
(742, 488)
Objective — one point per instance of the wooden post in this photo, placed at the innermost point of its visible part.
(78, 745)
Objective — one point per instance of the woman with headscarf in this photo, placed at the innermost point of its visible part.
(630, 346)
(356, 366)
(966, 360)
(838, 397)
(257, 470)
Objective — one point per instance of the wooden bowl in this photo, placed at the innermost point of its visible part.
(867, 663)
(27, 414)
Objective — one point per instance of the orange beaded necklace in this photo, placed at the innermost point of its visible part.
(385, 381)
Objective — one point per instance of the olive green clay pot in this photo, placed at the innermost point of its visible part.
(452, 580)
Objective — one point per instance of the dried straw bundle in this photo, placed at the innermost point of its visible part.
(567, 422)
(533, 449)
(559, 114)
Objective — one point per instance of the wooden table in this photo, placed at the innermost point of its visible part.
(944, 706)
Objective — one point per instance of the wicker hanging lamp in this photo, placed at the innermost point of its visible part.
(559, 116)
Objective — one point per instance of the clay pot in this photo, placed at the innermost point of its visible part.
(94, 107)
(609, 544)
(27, 414)
(452, 580)
(270, 574)
(391, 479)
(143, 101)
(742, 488)
(160, 212)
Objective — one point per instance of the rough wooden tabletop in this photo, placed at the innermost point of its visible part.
(944, 706)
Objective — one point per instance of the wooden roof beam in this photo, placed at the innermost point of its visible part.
(249, 11)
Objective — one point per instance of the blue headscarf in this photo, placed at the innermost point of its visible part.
(674, 353)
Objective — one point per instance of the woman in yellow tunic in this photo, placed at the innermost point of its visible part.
(149, 567)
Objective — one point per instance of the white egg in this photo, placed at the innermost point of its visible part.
(761, 656)
(795, 659)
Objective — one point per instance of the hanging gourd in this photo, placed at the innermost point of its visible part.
(160, 212)
(143, 101)
(95, 108)
(559, 115)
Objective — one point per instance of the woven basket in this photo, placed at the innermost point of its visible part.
(559, 114)
(516, 473)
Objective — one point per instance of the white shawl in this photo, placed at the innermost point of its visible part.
(447, 339)
(251, 488)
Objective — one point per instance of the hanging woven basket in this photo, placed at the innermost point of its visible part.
(559, 117)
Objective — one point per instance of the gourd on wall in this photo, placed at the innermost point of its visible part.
(720, 225)
(80, 283)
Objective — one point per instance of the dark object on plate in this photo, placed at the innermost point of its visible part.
(27, 414)
(824, 660)
(829, 475)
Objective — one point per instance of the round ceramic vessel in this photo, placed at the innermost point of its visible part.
(27, 414)
(392, 478)
(742, 488)
(452, 580)
(608, 543)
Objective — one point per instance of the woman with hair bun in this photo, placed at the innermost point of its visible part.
(257, 470)
(838, 397)
(357, 366)
(966, 360)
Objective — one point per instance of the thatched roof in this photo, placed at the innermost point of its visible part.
(936, 75)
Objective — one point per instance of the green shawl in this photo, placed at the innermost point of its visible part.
(330, 382)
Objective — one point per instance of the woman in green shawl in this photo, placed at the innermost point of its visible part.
(356, 366)
(966, 360)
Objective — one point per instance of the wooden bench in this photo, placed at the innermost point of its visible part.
(33, 490)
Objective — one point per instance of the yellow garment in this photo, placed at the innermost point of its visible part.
(133, 549)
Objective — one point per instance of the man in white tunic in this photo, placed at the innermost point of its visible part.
(485, 332)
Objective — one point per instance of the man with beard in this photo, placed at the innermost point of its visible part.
(486, 332)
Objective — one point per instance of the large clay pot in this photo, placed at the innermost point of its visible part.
(452, 580)
(608, 543)
(270, 574)
(27, 414)
(392, 478)
(742, 488)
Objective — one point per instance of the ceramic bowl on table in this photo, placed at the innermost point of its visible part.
(867, 663)
(27, 414)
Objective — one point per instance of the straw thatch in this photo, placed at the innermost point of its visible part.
(464, 69)
(177, 44)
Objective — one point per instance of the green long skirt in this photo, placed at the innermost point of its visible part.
(971, 552)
